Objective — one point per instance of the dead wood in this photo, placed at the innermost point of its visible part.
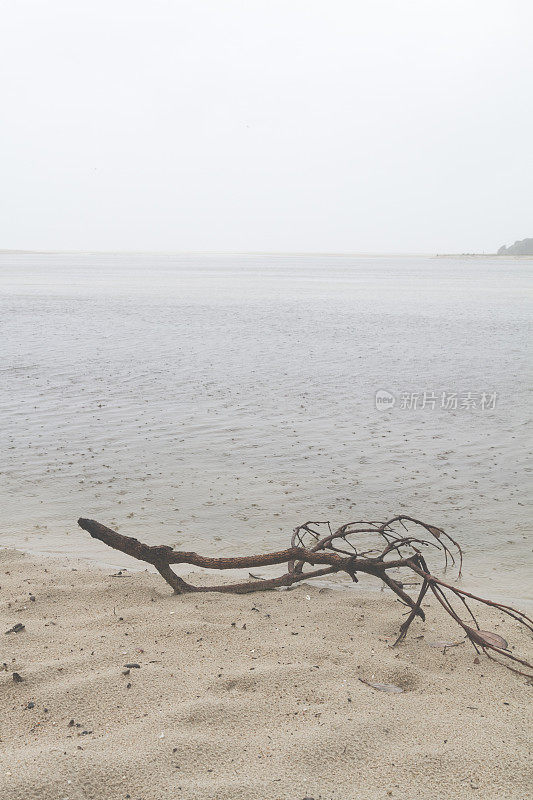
(374, 548)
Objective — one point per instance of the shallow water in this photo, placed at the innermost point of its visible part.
(216, 401)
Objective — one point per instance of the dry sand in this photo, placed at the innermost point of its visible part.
(248, 697)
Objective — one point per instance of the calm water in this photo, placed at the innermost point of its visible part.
(214, 402)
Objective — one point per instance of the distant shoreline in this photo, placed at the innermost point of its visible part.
(479, 255)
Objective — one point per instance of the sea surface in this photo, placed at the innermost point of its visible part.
(214, 402)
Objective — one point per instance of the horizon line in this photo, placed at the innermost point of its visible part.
(7, 251)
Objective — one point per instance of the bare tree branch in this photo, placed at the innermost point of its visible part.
(374, 548)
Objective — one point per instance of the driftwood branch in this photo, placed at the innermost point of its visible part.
(374, 548)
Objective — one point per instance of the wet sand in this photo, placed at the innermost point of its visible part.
(244, 697)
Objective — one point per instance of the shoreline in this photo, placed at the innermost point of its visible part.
(244, 696)
(116, 560)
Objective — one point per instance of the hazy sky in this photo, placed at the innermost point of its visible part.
(365, 125)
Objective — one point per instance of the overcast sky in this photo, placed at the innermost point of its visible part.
(357, 126)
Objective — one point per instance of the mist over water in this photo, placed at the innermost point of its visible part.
(213, 402)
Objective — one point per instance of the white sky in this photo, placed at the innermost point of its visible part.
(360, 126)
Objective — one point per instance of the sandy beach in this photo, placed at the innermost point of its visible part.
(241, 697)
(265, 304)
